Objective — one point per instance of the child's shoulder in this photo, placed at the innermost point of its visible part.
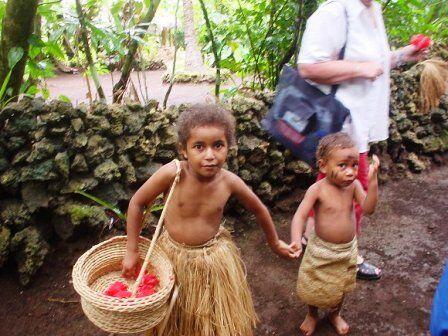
(231, 178)
(168, 170)
(317, 186)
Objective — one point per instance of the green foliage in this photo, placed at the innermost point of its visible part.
(103, 203)
(64, 98)
(254, 36)
(404, 18)
(14, 56)
(113, 208)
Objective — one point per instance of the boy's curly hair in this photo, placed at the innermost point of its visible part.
(205, 115)
(331, 142)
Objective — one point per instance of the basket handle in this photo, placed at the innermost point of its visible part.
(157, 232)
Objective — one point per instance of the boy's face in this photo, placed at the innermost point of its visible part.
(206, 150)
(341, 166)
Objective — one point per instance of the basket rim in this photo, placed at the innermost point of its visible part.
(103, 301)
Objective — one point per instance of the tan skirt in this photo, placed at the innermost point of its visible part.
(214, 297)
(327, 272)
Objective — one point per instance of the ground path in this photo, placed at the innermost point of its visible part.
(407, 237)
(74, 87)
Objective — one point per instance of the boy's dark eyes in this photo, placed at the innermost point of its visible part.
(342, 165)
(219, 145)
(197, 146)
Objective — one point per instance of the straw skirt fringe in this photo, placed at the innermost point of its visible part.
(214, 297)
(327, 272)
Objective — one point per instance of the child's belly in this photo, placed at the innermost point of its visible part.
(335, 229)
(192, 231)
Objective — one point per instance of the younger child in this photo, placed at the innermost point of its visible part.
(328, 268)
(214, 297)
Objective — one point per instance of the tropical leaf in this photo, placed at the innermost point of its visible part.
(103, 203)
(14, 56)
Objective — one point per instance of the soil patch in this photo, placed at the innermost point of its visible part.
(406, 237)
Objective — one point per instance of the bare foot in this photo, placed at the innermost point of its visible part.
(339, 324)
(309, 324)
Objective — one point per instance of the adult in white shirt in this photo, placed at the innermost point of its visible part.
(363, 75)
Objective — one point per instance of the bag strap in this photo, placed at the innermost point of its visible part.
(158, 228)
(335, 87)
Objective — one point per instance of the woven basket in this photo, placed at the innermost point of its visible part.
(100, 266)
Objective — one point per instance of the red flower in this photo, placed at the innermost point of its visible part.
(123, 294)
(116, 287)
(147, 286)
(421, 41)
(149, 280)
(144, 291)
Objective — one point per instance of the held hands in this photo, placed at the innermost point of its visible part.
(285, 250)
(373, 169)
(130, 263)
(296, 246)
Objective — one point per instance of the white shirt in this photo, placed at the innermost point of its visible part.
(324, 37)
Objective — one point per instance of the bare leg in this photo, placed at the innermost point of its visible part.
(309, 324)
(337, 321)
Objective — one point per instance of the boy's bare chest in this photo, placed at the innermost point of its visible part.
(336, 200)
(197, 199)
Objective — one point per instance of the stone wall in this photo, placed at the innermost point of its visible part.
(48, 150)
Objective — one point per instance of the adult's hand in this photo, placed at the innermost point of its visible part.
(370, 70)
(411, 53)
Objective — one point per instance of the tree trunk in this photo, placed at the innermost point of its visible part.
(67, 46)
(85, 42)
(176, 48)
(17, 26)
(294, 45)
(120, 87)
(216, 54)
(305, 9)
(193, 58)
(165, 36)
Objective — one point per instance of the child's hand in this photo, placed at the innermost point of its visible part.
(130, 263)
(374, 167)
(296, 247)
(284, 250)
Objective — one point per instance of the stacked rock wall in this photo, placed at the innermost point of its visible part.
(50, 150)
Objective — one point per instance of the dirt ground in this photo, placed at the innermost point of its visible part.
(74, 87)
(407, 237)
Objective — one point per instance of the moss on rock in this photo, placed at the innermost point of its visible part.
(29, 251)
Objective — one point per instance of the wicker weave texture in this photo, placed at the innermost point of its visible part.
(100, 266)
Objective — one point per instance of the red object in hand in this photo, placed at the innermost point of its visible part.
(421, 41)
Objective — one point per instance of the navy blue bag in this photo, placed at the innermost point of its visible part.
(439, 312)
(302, 115)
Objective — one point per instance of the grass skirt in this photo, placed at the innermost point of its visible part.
(214, 297)
(327, 272)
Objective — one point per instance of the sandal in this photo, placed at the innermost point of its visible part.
(367, 271)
